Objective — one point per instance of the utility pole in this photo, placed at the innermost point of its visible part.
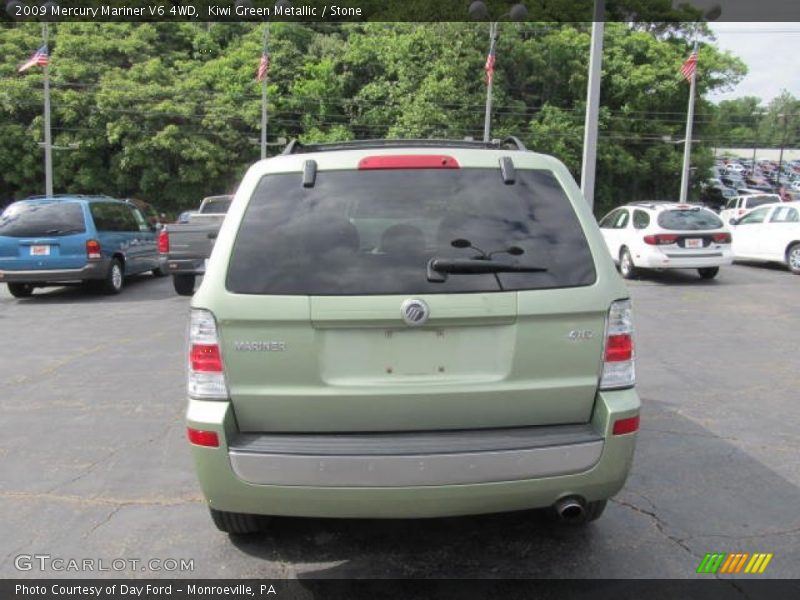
(589, 164)
(48, 143)
(783, 143)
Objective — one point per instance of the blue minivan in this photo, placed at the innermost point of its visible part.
(47, 241)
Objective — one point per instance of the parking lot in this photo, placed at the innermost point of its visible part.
(96, 464)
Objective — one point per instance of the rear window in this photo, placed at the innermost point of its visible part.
(756, 201)
(373, 232)
(691, 219)
(217, 206)
(39, 220)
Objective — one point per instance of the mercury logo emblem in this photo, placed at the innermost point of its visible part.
(414, 312)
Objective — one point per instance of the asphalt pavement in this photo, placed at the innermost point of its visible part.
(95, 464)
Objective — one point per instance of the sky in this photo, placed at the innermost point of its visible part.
(771, 52)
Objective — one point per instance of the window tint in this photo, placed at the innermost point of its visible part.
(110, 216)
(689, 219)
(608, 221)
(757, 216)
(785, 214)
(756, 201)
(373, 232)
(217, 206)
(42, 219)
(640, 219)
(622, 220)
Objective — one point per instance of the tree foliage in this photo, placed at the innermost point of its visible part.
(170, 112)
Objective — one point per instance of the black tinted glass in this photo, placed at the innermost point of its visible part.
(689, 219)
(373, 232)
(37, 220)
(217, 207)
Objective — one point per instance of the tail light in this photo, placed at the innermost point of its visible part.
(626, 425)
(93, 249)
(163, 241)
(206, 377)
(198, 437)
(618, 367)
(722, 238)
(660, 239)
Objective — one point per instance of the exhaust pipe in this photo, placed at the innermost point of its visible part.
(571, 509)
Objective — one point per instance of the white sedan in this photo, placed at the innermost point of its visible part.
(666, 235)
(769, 234)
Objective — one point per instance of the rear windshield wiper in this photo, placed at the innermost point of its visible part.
(439, 268)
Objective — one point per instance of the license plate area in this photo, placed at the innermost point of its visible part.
(693, 243)
(40, 250)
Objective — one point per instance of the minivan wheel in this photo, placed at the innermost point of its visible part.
(238, 523)
(626, 268)
(183, 284)
(115, 279)
(20, 290)
(708, 272)
(793, 258)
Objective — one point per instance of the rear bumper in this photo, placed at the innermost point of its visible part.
(665, 259)
(185, 266)
(385, 481)
(93, 270)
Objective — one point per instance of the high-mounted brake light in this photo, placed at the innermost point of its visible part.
(618, 365)
(93, 249)
(660, 239)
(163, 241)
(198, 437)
(206, 373)
(409, 161)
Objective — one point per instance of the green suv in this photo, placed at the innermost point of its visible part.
(402, 329)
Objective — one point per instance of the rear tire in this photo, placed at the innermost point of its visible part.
(20, 290)
(626, 266)
(708, 272)
(115, 279)
(183, 284)
(793, 258)
(238, 523)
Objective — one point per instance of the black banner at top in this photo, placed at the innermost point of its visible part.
(400, 10)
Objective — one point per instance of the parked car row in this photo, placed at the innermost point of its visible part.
(666, 235)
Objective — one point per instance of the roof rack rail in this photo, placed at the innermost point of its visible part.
(88, 196)
(510, 143)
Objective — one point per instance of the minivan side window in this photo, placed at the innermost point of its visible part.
(113, 217)
(784, 214)
(141, 222)
(622, 220)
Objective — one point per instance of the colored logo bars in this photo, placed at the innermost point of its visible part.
(737, 562)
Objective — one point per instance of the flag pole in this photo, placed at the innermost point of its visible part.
(264, 97)
(48, 146)
(687, 143)
(487, 119)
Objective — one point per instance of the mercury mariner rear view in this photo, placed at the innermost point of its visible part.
(404, 329)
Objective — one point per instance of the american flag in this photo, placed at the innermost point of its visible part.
(489, 66)
(39, 58)
(690, 66)
(263, 67)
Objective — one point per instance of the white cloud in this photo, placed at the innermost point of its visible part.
(771, 52)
